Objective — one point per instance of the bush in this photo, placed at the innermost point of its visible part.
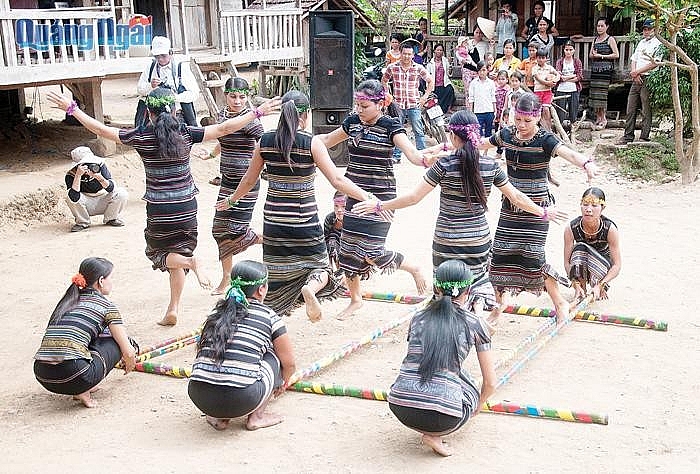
(648, 164)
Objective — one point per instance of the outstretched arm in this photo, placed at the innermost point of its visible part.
(332, 173)
(579, 160)
(236, 123)
(409, 199)
(614, 244)
(414, 156)
(522, 201)
(488, 374)
(333, 138)
(247, 181)
(95, 126)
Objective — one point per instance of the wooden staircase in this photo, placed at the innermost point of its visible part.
(208, 72)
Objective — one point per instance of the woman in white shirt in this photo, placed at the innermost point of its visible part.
(439, 69)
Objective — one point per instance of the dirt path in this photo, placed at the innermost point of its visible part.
(645, 381)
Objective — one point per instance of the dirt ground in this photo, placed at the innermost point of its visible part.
(645, 381)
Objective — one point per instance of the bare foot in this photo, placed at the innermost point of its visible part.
(421, 285)
(219, 424)
(313, 307)
(170, 319)
(437, 445)
(85, 399)
(259, 240)
(263, 420)
(349, 311)
(204, 282)
(221, 289)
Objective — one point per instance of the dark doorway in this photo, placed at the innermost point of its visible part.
(156, 10)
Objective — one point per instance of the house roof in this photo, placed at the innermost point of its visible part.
(313, 5)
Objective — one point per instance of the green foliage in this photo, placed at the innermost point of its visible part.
(648, 164)
(659, 81)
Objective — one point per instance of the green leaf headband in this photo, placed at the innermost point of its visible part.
(153, 102)
(302, 108)
(455, 286)
(239, 90)
(237, 283)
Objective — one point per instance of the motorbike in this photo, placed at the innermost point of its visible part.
(434, 119)
(376, 70)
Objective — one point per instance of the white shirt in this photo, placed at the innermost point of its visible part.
(567, 69)
(168, 75)
(482, 95)
(446, 67)
(647, 47)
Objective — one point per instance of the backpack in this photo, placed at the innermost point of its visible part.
(189, 115)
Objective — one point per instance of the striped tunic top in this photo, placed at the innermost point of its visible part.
(237, 147)
(252, 338)
(528, 162)
(69, 338)
(599, 241)
(456, 219)
(449, 389)
(169, 179)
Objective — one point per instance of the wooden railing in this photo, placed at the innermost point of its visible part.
(257, 35)
(582, 47)
(59, 36)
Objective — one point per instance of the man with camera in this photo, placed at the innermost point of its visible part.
(166, 71)
(92, 192)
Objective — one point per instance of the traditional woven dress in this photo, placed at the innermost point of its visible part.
(294, 249)
(462, 231)
(601, 72)
(590, 258)
(370, 167)
(171, 205)
(231, 227)
(518, 261)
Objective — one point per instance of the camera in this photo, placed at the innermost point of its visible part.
(94, 167)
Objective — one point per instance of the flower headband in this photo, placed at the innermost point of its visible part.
(592, 200)
(237, 283)
(374, 98)
(240, 90)
(79, 280)
(340, 200)
(453, 285)
(153, 102)
(302, 108)
(471, 130)
(529, 113)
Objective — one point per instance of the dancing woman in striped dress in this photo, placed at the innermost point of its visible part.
(294, 248)
(371, 139)
(231, 227)
(461, 229)
(592, 247)
(518, 260)
(164, 146)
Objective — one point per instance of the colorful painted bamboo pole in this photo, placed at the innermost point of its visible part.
(348, 349)
(591, 316)
(170, 341)
(542, 412)
(524, 344)
(390, 297)
(163, 369)
(534, 350)
(166, 349)
(497, 408)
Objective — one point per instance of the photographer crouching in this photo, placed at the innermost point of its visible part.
(92, 192)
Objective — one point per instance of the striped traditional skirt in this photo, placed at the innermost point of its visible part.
(598, 89)
(362, 245)
(231, 227)
(587, 264)
(518, 260)
(295, 252)
(170, 228)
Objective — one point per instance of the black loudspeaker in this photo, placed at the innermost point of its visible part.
(331, 51)
(325, 121)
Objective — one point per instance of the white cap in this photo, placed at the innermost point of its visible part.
(160, 45)
(83, 154)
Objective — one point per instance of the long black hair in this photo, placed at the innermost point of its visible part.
(246, 276)
(472, 183)
(161, 103)
(444, 323)
(236, 83)
(294, 104)
(91, 270)
(375, 89)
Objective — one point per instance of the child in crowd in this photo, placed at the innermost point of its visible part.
(526, 66)
(332, 227)
(515, 81)
(244, 356)
(571, 71)
(502, 90)
(489, 59)
(545, 77)
(482, 99)
(433, 394)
